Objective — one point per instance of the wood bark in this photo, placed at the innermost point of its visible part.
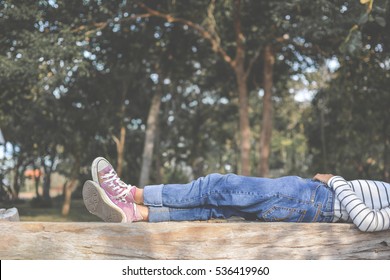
(150, 135)
(37, 179)
(241, 78)
(120, 148)
(323, 138)
(157, 162)
(120, 142)
(16, 178)
(245, 131)
(266, 127)
(190, 240)
(70, 187)
(386, 159)
(47, 178)
(68, 190)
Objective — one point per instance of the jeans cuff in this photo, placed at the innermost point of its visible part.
(153, 195)
(159, 214)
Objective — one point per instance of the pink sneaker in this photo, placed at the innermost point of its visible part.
(108, 208)
(104, 174)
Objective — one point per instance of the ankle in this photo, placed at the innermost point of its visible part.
(144, 212)
(139, 196)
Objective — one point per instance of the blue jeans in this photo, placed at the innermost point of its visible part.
(287, 199)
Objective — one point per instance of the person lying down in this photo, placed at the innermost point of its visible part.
(325, 198)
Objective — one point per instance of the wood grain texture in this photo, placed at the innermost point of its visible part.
(189, 240)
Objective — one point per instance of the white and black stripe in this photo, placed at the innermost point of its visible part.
(365, 203)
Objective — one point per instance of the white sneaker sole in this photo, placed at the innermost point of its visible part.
(94, 170)
(98, 203)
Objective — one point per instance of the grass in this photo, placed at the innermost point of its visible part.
(27, 212)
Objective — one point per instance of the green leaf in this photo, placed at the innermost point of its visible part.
(363, 18)
(353, 43)
(381, 21)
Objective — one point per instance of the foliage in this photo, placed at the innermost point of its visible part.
(72, 73)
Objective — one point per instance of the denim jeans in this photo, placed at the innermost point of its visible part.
(287, 199)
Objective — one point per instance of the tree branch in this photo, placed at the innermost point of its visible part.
(252, 61)
(240, 38)
(216, 46)
(204, 33)
(101, 25)
(116, 140)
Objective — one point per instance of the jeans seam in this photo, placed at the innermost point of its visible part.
(215, 192)
(319, 207)
(301, 212)
(293, 198)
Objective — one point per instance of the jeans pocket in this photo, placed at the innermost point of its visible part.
(283, 214)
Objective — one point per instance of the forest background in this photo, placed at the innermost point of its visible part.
(172, 90)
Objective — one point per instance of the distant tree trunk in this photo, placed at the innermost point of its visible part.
(150, 135)
(70, 187)
(245, 130)
(266, 127)
(16, 181)
(120, 149)
(241, 78)
(46, 186)
(157, 148)
(197, 161)
(37, 179)
(323, 139)
(120, 142)
(386, 160)
(47, 178)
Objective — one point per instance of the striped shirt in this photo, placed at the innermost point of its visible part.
(365, 203)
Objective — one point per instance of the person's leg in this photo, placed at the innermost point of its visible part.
(283, 199)
(144, 212)
(109, 208)
(163, 214)
(139, 196)
(213, 190)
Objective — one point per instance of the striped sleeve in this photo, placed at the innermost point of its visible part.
(365, 218)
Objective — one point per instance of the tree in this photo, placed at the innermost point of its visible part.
(236, 63)
(356, 100)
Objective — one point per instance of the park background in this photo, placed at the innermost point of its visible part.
(172, 90)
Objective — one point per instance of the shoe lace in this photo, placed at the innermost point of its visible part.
(120, 187)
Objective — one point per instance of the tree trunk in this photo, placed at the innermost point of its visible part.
(47, 178)
(266, 127)
(120, 149)
(120, 142)
(16, 181)
(37, 179)
(323, 139)
(150, 135)
(241, 78)
(157, 148)
(245, 132)
(386, 159)
(197, 161)
(191, 240)
(70, 187)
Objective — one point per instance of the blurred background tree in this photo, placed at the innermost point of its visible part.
(170, 90)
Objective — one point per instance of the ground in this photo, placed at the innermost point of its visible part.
(78, 212)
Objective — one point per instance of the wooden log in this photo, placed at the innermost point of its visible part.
(189, 240)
